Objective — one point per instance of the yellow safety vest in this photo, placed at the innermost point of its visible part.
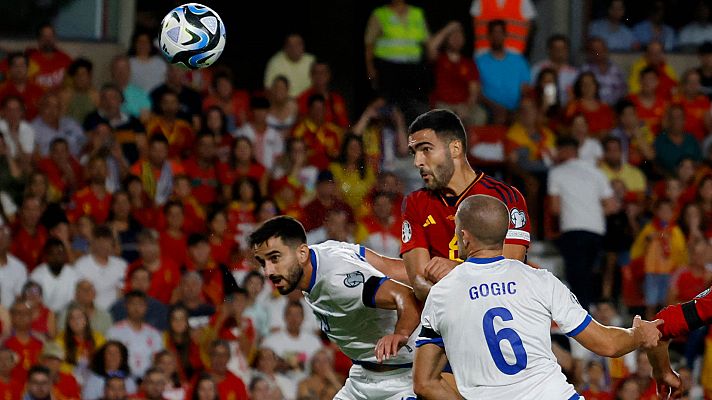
(401, 40)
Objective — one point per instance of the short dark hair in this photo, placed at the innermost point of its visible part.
(51, 243)
(579, 83)
(495, 23)
(314, 98)
(649, 70)
(445, 123)
(557, 37)
(259, 103)
(41, 26)
(38, 369)
(16, 54)
(172, 203)
(284, 227)
(610, 139)
(621, 106)
(10, 98)
(138, 269)
(110, 86)
(102, 232)
(134, 294)
(294, 304)
(567, 141)
(79, 63)
(196, 238)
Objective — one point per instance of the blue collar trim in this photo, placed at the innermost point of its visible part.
(312, 256)
(490, 260)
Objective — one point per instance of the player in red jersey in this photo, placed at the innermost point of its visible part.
(439, 143)
(679, 319)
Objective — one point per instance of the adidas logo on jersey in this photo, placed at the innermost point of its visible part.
(429, 221)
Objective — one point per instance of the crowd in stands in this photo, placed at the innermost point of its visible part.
(125, 207)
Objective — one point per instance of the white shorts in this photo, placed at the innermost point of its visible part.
(368, 385)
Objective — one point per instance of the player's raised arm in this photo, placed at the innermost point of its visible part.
(393, 268)
(386, 294)
(427, 383)
(610, 341)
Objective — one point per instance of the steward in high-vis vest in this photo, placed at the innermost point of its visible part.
(396, 37)
(516, 13)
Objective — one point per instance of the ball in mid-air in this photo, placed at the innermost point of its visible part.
(192, 36)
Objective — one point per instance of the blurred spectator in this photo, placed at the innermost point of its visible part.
(384, 131)
(612, 84)
(142, 207)
(242, 164)
(18, 134)
(395, 37)
(124, 226)
(201, 169)
(12, 183)
(190, 296)
(283, 111)
(260, 389)
(164, 272)
(457, 85)
(178, 339)
(699, 30)
(19, 84)
(222, 240)
(56, 277)
(105, 271)
(218, 282)
(380, 230)
(79, 342)
(156, 171)
(148, 68)
(295, 176)
(109, 362)
(136, 101)
(655, 29)
(643, 374)
(294, 345)
(265, 366)
(141, 339)
(172, 240)
(179, 133)
(277, 305)
(595, 387)
(587, 101)
(234, 103)
(590, 149)
(268, 142)
(629, 389)
(613, 30)
(190, 100)
(79, 97)
(205, 388)
(704, 53)
(23, 342)
(193, 212)
(64, 384)
(615, 168)
(8, 389)
(326, 199)
(557, 47)
(692, 278)
(28, 236)
(115, 389)
(153, 385)
(503, 74)
(156, 314)
(352, 175)
(320, 75)
(291, 62)
(128, 130)
(661, 245)
(39, 384)
(674, 144)
(581, 196)
(634, 135)
(649, 104)
(692, 224)
(323, 139)
(214, 122)
(517, 14)
(63, 171)
(229, 386)
(13, 272)
(47, 63)
(323, 382)
(44, 324)
(256, 310)
(84, 296)
(698, 120)
(241, 210)
(51, 124)
(654, 57)
(175, 387)
(94, 199)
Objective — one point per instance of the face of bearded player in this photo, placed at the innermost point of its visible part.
(432, 158)
(281, 263)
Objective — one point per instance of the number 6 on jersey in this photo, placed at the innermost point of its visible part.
(508, 334)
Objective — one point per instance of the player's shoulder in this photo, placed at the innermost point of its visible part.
(420, 194)
(494, 187)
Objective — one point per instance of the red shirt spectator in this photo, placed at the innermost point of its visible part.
(454, 76)
(650, 111)
(63, 171)
(234, 103)
(335, 106)
(179, 133)
(47, 64)
(94, 200)
(242, 165)
(695, 103)
(29, 237)
(229, 386)
(222, 241)
(165, 276)
(18, 84)
(172, 240)
(66, 387)
(322, 138)
(202, 170)
(22, 342)
(315, 212)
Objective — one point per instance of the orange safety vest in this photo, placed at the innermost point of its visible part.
(510, 12)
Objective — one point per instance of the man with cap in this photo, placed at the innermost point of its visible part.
(326, 199)
(64, 385)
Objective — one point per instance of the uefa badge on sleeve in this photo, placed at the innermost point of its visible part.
(407, 232)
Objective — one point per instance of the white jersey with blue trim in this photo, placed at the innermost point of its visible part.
(342, 296)
(493, 317)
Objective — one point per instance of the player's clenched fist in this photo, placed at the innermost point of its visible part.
(437, 268)
(648, 331)
(388, 346)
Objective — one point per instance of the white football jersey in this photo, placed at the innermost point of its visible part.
(493, 317)
(342, 290)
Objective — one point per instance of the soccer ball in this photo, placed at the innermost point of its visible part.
(192, 36)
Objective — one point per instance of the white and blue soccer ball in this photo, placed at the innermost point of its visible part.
(192, 36)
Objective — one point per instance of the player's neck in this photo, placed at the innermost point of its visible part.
(484, 253)
(461, 179)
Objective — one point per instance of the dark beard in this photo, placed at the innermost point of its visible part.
(442, 175)
(293, 279)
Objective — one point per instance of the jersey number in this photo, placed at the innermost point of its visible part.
(452, 246)
(508, 334)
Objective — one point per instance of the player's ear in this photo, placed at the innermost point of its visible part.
(455, 148)
(302, 253)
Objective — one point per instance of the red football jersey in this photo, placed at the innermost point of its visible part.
(676, 323)
(429, 217)
(86, 202)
